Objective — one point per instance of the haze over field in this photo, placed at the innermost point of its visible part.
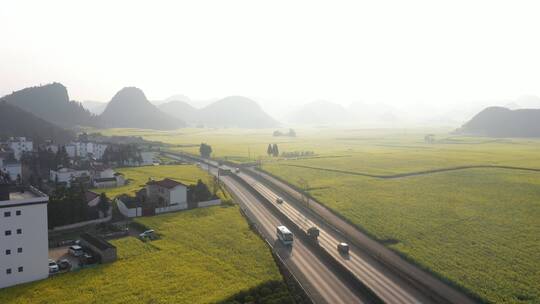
(420, 61)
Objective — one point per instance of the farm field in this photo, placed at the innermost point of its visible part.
(138, 176)
(478, 228)
(203, 256)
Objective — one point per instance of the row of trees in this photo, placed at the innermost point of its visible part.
(272, 150)
(291, 133)
(68, 205)
(122, 154)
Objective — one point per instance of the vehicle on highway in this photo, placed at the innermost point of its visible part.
(343, 248)
(284, 235)
(237, 170)
(64, 264)
(313, 233)
(75, 250)
(279, 200)
(53, 267)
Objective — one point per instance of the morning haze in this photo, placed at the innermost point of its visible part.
(281, 152)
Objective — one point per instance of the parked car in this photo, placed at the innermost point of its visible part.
(150, 234)
(53, 267)
(64, 264)
(87, 259)
(279, 200)
(75, 250)
(343, 248)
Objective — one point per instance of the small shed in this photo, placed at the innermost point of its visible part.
(100, 247)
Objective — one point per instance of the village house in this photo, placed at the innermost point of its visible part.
(167, 193)
(67, 175)
(107, 178)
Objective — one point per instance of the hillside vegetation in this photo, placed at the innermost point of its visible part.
(17, 122)
(203, 256)
(51, 103)
(129, 108)
(502, 122)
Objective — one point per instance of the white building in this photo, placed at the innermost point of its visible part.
(19, 145)
(148, 158)
(71, 150)
(13, 168)
(86, 149)
(167, 193)
(23, 236)
(66, 175)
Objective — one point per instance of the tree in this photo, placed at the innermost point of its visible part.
(292, 133)
(275, 150)
(205, 150)
(270, 150)
(103, 204)
(62, 158)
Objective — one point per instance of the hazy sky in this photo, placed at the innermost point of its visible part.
(396, 52)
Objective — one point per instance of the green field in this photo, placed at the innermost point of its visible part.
(204, 256)
(478, 228)
(138, 176)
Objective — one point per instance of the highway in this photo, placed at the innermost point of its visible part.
(317, 278)
(387, 285)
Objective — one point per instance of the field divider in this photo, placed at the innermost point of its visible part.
(415, 173)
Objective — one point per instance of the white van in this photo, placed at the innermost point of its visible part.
(284, 235)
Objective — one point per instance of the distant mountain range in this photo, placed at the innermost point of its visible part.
(15, 121)
(130, 108)
(503, 122)
(320, 112)
(233, 111)
(51, 103)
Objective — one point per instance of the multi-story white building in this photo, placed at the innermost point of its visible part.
(85, 149)
(19, 145)
(23, 236)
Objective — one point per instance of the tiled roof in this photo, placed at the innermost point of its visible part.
(166, 183)
(90, 195)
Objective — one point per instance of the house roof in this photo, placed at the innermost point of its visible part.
(104, 179)
(166, 183)
(90, 196)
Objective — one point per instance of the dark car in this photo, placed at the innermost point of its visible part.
(64, 264)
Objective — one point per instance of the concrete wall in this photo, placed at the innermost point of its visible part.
(208, 203)
(82, 224)
(127, 212)
(33, 240)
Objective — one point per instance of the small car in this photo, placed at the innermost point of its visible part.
(237, 170)
(87, 259)
(343, 248)
(279, 200)
(147, 234)
(75, 250)
(63, 264)
(53, 267)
